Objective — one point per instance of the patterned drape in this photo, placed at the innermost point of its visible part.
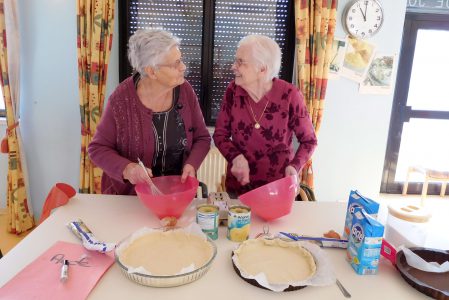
(315, 27)
(95, 21)
(19, 218)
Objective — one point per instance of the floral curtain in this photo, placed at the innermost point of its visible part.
(315, 27)
(20, 216)
(95, 21)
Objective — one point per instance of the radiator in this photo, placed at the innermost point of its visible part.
(212, 171)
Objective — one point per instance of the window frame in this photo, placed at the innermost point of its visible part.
(207, 51)
(400, 111)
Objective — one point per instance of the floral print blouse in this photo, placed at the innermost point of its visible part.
(281, 113)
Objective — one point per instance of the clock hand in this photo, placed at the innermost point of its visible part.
(366, 6)
(364, 16)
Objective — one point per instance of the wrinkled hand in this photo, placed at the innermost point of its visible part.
(240, 169)
(290, 171)
(135, 174)
(188, 170)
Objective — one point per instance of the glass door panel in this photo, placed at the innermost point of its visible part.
(417, 149)
(429, 79)
(419, 123)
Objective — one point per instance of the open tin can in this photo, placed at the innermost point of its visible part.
(207, 217)
(239, 220)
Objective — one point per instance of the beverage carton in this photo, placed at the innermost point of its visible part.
(364, 244)
(357, 200)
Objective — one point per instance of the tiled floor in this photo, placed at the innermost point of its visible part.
(7, 240)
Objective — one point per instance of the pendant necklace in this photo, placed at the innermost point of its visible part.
(257, 120)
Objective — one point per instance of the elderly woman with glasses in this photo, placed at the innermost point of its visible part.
(152, 116)
(259, 115)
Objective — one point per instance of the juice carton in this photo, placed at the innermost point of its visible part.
(364, 243)
(357, 200)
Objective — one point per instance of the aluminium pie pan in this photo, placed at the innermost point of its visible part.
(435, 285)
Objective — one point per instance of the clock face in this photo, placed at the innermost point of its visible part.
(363, 18)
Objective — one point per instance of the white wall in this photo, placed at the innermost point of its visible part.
(353, 136)
(352, 139)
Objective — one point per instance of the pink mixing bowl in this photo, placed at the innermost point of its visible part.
(175, 198)
(273, 200)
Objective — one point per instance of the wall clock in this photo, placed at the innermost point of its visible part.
(363, 18)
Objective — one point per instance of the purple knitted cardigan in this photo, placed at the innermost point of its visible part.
(125, 134)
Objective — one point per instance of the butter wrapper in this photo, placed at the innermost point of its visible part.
(90, 242)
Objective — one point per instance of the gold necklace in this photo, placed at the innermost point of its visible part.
(257, 124)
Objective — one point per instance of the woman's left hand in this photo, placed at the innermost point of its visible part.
(290, 171)
(188, 170)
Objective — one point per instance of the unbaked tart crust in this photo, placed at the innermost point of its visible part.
(167, 253)
(282, 262)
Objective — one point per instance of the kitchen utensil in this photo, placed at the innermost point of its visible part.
(272, 200)
(153, 187)
(168, 280)
(435, 285)
(175, 199)
(343, 290)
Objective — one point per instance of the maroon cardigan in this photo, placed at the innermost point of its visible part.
(125, 134)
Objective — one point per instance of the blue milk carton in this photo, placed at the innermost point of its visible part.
(357, 200)
(364, 243)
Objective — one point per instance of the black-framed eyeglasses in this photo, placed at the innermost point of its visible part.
(176, 65)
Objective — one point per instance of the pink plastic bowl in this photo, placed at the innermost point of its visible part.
(273, 200)
(175, 199)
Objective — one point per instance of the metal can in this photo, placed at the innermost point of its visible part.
(207, 219)
(239, 220)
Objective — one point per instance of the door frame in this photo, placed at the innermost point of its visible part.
(400, 111)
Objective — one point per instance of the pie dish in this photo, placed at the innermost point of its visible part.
(435, 285)
(274, 264)
(165, 258)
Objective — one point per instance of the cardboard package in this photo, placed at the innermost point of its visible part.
(357, 200)
(364, 243)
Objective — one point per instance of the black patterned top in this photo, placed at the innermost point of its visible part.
(170, 140)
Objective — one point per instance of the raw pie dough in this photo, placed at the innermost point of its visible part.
(167, 253)
(282, 262)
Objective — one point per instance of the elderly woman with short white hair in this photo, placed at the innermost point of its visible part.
(259, 115)
(153, 116)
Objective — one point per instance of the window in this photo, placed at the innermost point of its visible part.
(210, 31)
(420, 116)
